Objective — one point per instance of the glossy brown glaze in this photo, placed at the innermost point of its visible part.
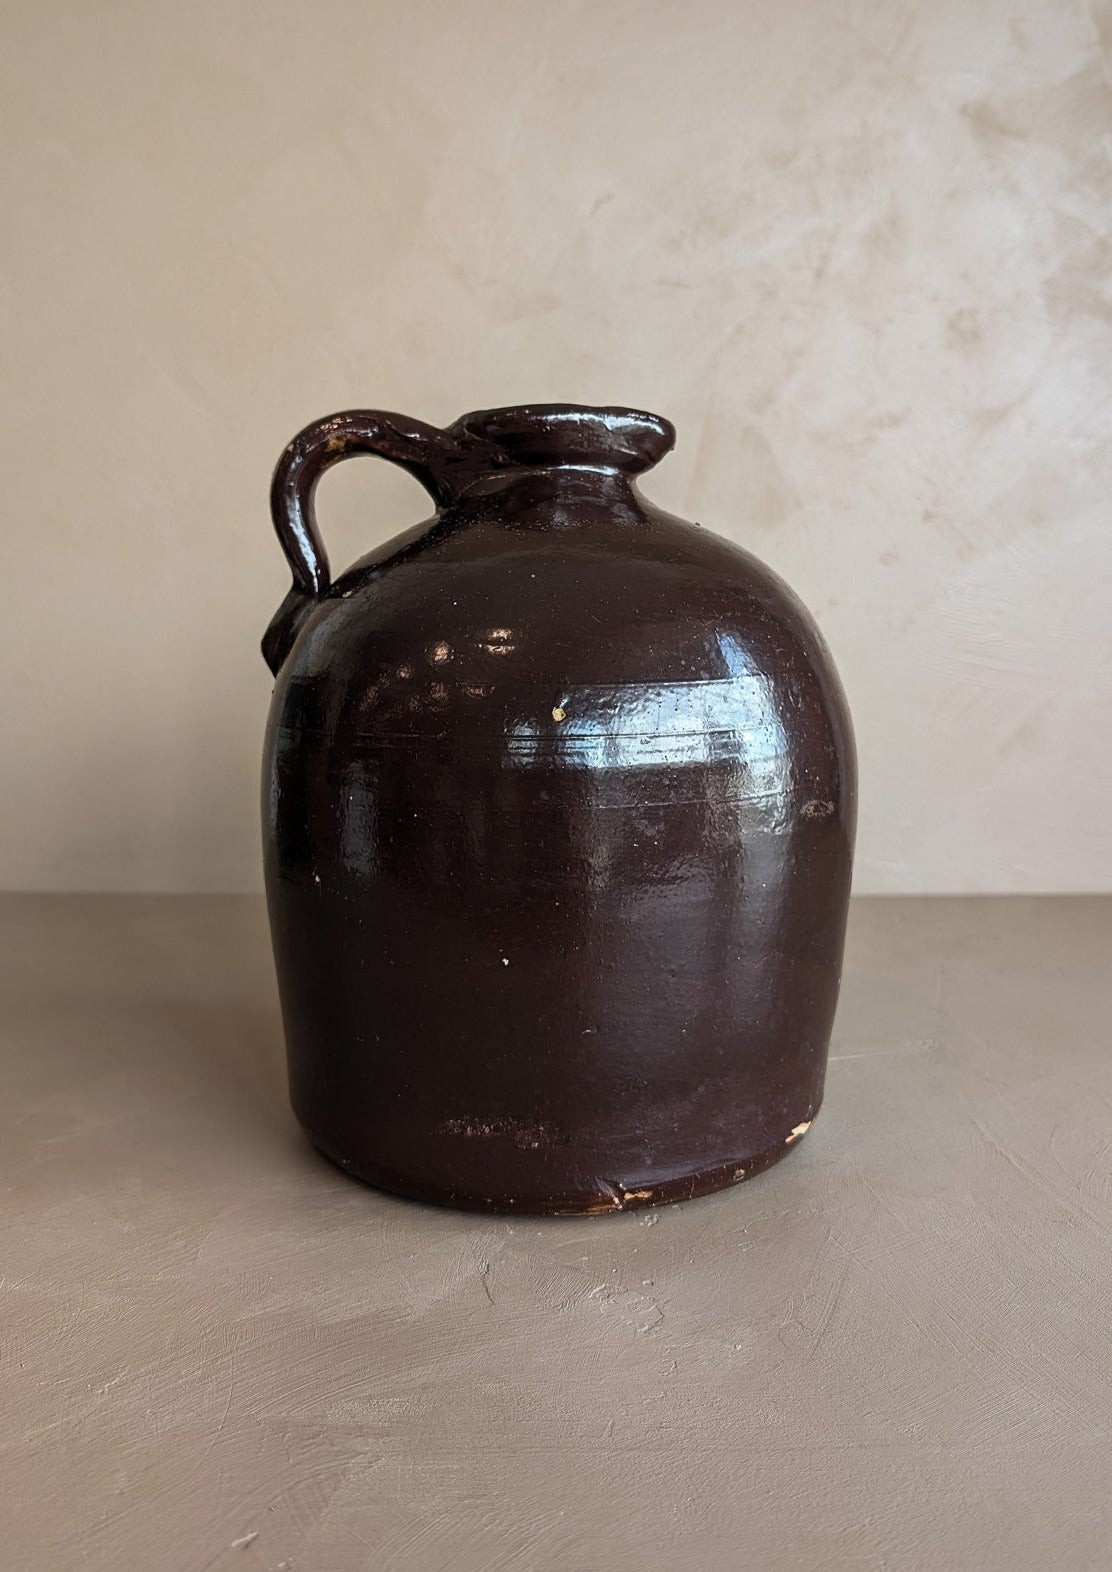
(558, 816)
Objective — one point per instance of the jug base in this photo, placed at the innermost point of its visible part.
(603, 1197)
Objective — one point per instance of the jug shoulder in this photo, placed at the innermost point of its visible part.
(656, 601)
(508, 635)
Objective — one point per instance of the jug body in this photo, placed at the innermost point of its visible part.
(558, 811)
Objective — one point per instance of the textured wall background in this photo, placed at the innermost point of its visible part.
(860, 252)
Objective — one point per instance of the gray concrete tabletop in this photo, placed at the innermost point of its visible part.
(891, 1351)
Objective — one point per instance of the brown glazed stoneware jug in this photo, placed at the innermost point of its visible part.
(558, 802)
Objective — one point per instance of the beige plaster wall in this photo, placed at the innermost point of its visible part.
(859, 252)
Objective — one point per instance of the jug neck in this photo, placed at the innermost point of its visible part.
(549, 482)
(556, 496)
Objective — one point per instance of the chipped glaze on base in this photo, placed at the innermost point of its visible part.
(604, 1198)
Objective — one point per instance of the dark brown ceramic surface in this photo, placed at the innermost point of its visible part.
(558, 816)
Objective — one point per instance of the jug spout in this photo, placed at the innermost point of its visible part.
(541, 435)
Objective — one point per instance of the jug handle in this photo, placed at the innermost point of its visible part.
(433, 456)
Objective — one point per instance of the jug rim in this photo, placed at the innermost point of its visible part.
(592, 435)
